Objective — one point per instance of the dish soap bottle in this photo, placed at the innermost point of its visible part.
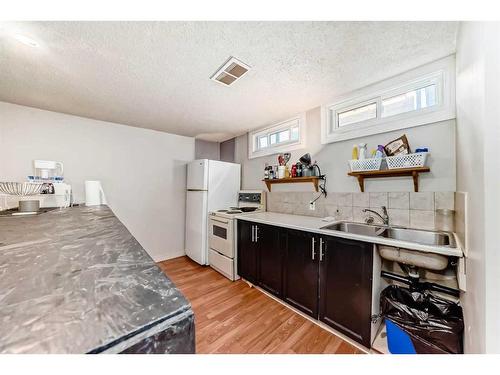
(355, 152)
(380, 152)
(362, 151)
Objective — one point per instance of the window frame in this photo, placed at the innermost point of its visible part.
(253, 136)
(440, 72)
(356, 105)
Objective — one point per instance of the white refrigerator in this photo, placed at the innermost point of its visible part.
(211, 185)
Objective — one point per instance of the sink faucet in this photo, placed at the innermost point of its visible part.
(385, 217)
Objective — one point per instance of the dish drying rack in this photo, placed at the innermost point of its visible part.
(21, 189)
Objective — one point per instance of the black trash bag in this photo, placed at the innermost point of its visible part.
(435, 325)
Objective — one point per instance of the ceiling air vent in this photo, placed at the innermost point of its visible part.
(232, 70)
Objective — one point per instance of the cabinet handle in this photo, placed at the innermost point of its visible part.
(321, 249)
(312, 247)
(219, 221)
(253, 236)
(256, 234)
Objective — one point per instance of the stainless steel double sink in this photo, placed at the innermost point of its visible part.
(423, 237)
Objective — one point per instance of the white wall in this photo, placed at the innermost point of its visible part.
(332, 158)
(478, 170)
(143, 171)
(206, 150)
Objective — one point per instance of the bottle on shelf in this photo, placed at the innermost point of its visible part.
(362, 151)
(380, 152)
(299, 170)
(354, 152)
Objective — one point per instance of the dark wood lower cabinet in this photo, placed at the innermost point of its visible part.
(260, 255)
(326, 277)
(270, 242)
(346, 287)
(301, 272)
(247, 251)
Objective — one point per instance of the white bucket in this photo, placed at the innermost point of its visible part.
(94, 194)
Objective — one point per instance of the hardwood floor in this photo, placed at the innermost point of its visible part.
(231, 317)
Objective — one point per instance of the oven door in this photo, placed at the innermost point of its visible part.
(220, 236)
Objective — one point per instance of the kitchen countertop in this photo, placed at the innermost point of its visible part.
(76, 281)
(314, 224)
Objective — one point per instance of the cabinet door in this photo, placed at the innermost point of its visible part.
(247, 251)
(301, 272)
(346, 287)
(270, 258)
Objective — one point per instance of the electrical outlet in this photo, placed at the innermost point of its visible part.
(312, 206)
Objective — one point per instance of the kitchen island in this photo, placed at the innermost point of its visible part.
(76, 281)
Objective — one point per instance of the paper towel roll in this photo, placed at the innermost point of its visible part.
(94, 195)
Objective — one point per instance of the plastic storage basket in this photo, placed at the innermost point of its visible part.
(372, 164)
(407, 161)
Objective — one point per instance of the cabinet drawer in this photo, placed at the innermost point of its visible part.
(221, 263)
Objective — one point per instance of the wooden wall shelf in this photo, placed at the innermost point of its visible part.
(313, 179)
(413, 172)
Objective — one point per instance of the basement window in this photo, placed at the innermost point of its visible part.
(414, 100)
(418, 97)
(282, 137)
(359, 114)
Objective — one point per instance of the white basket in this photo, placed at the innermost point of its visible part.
(407, 161)
(372, 164)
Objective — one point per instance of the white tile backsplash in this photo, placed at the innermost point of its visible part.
(422, 219)
(306, 197)
(399, 200)
(344, 199)
(399, 217)
(378, 200)
(407, 209)
(361, 200)
(444, 200)
(422, 201)
(345, 213)
(331, 210)
(286, 208)
(358, 215)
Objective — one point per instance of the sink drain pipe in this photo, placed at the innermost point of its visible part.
(417, 285)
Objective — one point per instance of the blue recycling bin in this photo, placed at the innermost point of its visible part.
(399, 341)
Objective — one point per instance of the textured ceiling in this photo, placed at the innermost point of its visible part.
(156, 74)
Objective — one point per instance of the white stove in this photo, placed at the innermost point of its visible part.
(222, 231)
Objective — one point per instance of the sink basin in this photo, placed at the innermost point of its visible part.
(435, 262)
(423, 237)
(356, 228)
